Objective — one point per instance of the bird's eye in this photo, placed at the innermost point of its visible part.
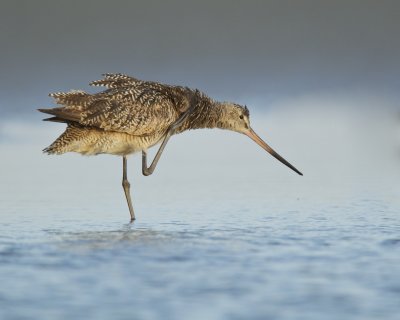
(241, 116)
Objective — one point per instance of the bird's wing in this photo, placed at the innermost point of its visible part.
(137, 108)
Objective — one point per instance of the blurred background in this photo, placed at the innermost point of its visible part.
(224, 231)
(321, 80)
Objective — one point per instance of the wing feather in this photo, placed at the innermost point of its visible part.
(73, 98)
(129, 105)
(114, 80)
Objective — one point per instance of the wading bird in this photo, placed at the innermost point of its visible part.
(132, 115)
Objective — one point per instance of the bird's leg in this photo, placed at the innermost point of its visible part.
(171, 130)
(149, 170)
(126, 185)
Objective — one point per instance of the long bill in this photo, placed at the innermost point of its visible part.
(251, 134)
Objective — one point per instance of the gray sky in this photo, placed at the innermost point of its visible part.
(230, 49)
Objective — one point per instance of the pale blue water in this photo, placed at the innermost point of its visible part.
(237, 261)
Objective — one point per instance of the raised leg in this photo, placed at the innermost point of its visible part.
(149, 170)
(126, 185)
(171, 130)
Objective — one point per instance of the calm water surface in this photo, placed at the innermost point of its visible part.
(236, 261)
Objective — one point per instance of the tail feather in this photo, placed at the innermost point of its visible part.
(62, 113)
(56, 119)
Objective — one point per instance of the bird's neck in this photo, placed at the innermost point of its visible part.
(207, 114)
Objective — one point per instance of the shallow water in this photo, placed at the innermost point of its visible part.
(304, 261)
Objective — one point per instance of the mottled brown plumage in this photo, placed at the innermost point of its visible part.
(132, 115)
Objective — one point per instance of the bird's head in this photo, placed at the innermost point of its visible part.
(236, 118)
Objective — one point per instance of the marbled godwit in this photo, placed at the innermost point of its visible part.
(133, 115)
